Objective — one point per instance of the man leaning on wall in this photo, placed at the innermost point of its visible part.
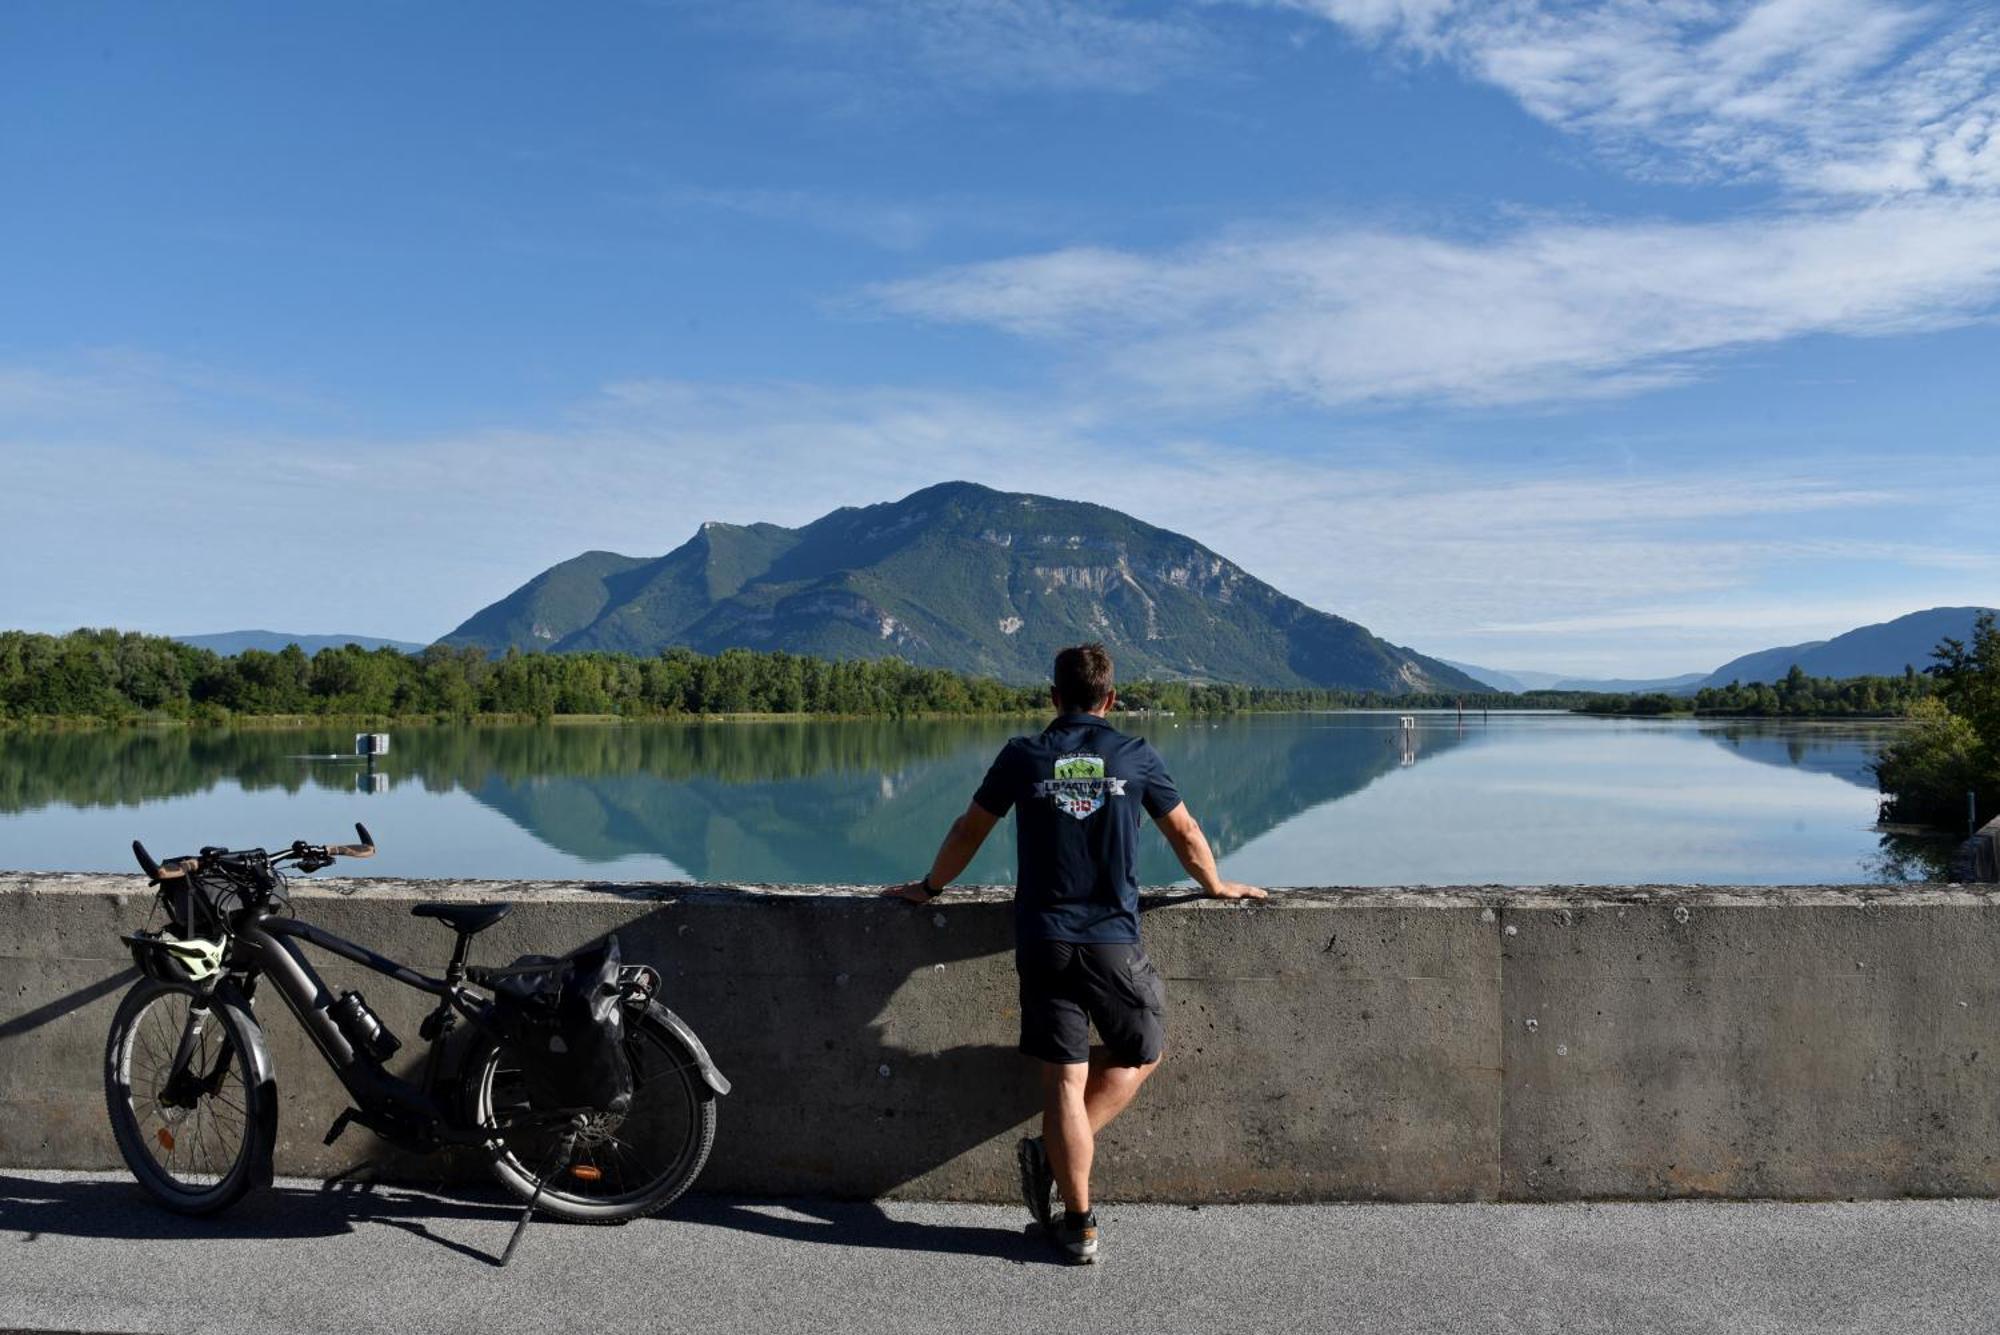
(1076, 790)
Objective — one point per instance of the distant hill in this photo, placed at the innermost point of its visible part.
(957, 576)
(1881, 650)
(1687, 681)
(1519, 680)
(229, 643)
(1493, 677)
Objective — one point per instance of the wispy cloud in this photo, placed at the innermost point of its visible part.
(984, 46)
(1880, 117)
(893, 224)
(1548, 310)
(88, 389)
(1826, 96)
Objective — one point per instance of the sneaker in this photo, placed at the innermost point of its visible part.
(1076, 1235)
(1038, 1182)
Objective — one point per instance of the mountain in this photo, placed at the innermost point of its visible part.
(229, 643)
(1522, 680)
(1881, 650)
(957, 576)
(1493, 677)
(1687, 681)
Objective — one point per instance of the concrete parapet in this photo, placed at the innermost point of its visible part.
(1979, 859)
(1378, 1044)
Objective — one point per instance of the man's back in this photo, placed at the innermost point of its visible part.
(1077, 789)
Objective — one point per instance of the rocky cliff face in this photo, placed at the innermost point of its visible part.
(957, 576)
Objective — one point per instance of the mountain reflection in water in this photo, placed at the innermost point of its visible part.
(1289, 799)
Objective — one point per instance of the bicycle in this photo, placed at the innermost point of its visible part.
(192, 1092)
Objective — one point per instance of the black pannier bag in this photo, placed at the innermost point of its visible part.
(565, 1020)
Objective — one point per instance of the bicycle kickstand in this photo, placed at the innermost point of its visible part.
(562, 1156)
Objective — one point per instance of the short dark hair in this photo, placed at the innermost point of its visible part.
(1083, 676)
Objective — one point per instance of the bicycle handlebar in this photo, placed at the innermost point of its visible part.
(364, 849)
(321, 854)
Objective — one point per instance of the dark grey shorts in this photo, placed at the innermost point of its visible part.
(1066, 988)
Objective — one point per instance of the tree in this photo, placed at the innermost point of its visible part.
(1955, 748)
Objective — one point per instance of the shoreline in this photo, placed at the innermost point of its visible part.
(303, 722)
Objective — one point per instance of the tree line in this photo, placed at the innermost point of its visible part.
(117, 676)
(1795, 695)
(113, 676)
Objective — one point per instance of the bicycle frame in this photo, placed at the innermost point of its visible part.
(385, 1103)
(422, 1115)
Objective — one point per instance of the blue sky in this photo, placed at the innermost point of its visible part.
(1613, 338)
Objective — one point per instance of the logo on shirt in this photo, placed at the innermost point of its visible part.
(1079, 786)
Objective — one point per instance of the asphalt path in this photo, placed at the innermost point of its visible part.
(87, 1252)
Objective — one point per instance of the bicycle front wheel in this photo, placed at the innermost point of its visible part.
(623, 1165)
(186, 1109)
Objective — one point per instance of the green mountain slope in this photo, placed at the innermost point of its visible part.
(550, 607)
(957, 576)
(1882, 650)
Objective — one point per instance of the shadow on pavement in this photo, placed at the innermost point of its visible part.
(116, 1209)
(864, 1224)
(100, 1208)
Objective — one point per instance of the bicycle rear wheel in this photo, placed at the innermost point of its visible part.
(186, 1108)
(624, 1165)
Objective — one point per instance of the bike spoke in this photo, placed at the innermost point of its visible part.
(203, 1138)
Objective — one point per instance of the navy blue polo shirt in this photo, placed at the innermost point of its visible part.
(1076, 790)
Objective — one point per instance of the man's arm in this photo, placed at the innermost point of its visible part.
(1190, 845)
(961, 842)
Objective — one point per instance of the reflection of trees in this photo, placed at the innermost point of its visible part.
(1903, 856)
(854, 801)
(95, 769)
(109, 768)
(1844, 753)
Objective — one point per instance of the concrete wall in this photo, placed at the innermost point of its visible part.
(1473, 1044)
(1979, 859)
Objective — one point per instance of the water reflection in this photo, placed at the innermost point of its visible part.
(1295, 799)
(788, 802)
(1844, 750)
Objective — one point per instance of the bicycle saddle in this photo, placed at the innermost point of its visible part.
(466, 918)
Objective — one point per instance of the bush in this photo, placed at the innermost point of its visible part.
(1925, 776)
(1955, 747)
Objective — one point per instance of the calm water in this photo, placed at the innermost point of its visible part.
(1326, 799)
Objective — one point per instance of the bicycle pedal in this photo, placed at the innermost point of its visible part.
(333, 1132)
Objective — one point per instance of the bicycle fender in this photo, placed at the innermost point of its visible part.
(710, 1074)
(257, 1060)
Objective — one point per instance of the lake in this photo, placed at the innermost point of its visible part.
(1291, 799)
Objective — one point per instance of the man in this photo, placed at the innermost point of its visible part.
(1076, 791)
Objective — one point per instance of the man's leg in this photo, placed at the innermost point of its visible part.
(1067, 1130)
(1078, 1101)
(1110, 1088)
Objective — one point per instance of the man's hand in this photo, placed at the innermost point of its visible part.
(967, 833)
(1237, 890)
(1191, 847)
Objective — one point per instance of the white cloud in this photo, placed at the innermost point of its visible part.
(1550, 310)
(1826, 96)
